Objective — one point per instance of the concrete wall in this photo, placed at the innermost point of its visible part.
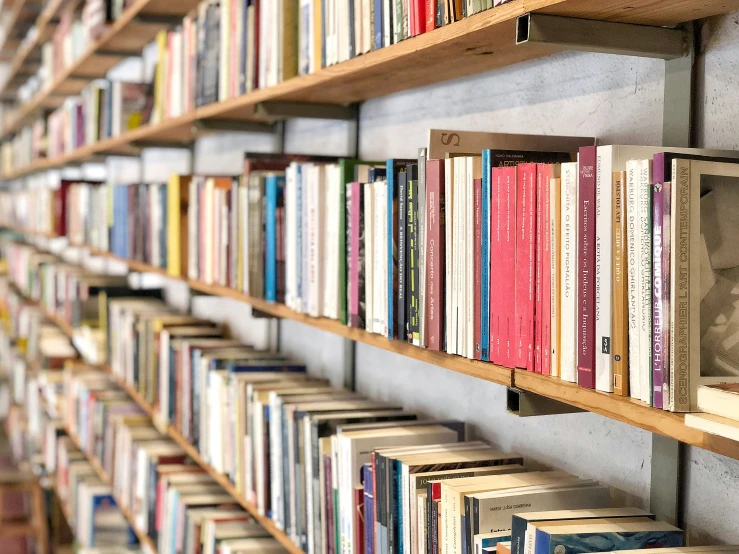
(617, 99)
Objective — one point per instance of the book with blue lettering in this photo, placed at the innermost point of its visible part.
(274, 188)
(603, 537)
(394, 167)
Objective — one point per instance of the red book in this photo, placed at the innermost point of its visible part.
(506, 284)
(543, 171)
(419, 17)
(586, 268)
(477, 188)
(61, 196)
(544, 175)
(524, 262)
(435, 237)
(359, 520)
(430, 13)
(496, 177)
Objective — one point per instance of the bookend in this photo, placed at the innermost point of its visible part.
(528, 404)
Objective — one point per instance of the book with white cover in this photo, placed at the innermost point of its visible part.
(473, 167)
(316, 233)
(632, 266)
(291, 272)
(330, 223)
(369, 256)
(568, 279)
(644, 250)
(449, 259)
(380, 292)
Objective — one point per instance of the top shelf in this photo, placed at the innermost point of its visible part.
(478, 43)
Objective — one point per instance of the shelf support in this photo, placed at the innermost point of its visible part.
(677, 119)
(286, 110)
(231, 125)
(527, 404)
(570, 33)
(664, 489)
(158, 19)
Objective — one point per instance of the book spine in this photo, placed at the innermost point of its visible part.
(658, 296)
(422, 248)
(413, 248)
(270, 271)
(524, 264)
(449, 344)
(568, 297)
(545, 321)
(586, 266)
(403, 262)
(343, 245)
(666, 290)
(477, 271)
(603, 270)
(632, 265)
(540, 177)
(390, 228)
(430, 24)
(484, 272)
(507, 203)
(645, 279)
(436, 254)
(620, 331)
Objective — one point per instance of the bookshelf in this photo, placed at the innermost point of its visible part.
(624, 409)
(143, 538)
(478, 43)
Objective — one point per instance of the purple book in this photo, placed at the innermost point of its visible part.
(658, 294)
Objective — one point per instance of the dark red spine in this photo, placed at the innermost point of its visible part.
(435, 237)
(477, 267)
(586, 268)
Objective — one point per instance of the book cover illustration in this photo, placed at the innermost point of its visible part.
(579, 543)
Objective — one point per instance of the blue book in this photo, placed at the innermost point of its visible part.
(485, 258)
(369, 510)
(378, 24)
(274, 187)
(606, 537)
(299, 231)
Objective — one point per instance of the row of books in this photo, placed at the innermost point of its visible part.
(336, 471)
(515, 256)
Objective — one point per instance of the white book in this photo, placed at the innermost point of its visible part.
(331, 224)
(633, 276)
(645, 278)
(555, 258)
(449, 257)
(379, 260)
(275, 457)
(603, 274)
(244, 236)
(367, 38)
(568, 292)
(175, 102)
(459, 254)
(250, 57)
(469, 264)
(369, 256)
(291, 272)
(225, 44)
(316, 234)
(304, 178)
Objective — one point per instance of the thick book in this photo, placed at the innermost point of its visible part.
(436, 256)
(721, 400)
(620, 326)
(586, 268)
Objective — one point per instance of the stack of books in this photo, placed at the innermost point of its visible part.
(720, 404)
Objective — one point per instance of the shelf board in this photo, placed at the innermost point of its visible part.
(143, 538)
(478, 43)
(627, 410)
(221, 479)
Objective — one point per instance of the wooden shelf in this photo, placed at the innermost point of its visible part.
(627, 410)
(220, 478)
(17, 16)
(478, 43)
(143, 538)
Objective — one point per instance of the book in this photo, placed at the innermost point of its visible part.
(569, 272)
(586, 256)
(620, 326)
(720, 399)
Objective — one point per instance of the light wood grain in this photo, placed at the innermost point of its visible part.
(478, 43)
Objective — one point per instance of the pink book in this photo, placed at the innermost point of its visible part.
(524, 264)
(201, 228)
(507, 204)
(233, 85)
(586, 268)
(544, 337)
(539, 262)
(496, 264)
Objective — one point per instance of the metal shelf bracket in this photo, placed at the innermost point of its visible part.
(527, 404)
(231, 125)
(628, 39)
(286, 110)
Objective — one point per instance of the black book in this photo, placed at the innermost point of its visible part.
(413, 254)
(401, 323)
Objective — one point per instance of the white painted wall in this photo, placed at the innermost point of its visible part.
(617, 99)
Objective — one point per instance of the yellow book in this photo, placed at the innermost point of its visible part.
(178, 191)
(289, 40)
(160, 76)
(317, 37)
